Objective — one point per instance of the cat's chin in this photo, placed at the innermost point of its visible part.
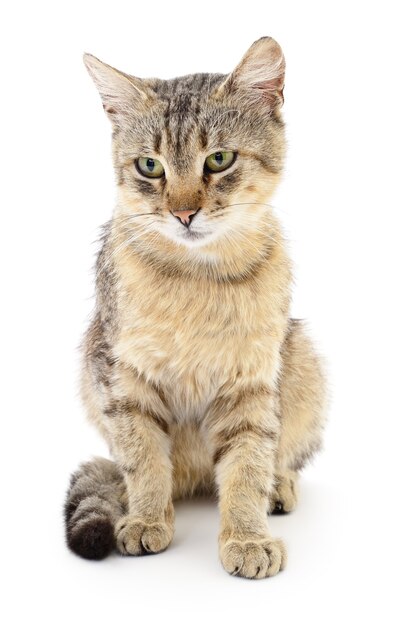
(192, 238)
(195, 238)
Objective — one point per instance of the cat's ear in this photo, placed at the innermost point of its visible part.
(259, 77)
(121, 94)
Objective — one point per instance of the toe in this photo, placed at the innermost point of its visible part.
(277, 557)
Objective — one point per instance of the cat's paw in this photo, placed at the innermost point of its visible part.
(136, 537)
(253, 559)
(285, 495)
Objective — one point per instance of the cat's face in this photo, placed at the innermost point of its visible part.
(197, 157)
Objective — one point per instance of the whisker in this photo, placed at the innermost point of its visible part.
(131, 217)
(226, 206)
(136, 228)
(257, 228)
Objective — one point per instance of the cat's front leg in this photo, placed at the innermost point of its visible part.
(141, 445)
(244, 435)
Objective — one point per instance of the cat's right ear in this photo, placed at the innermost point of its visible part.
(121, 94)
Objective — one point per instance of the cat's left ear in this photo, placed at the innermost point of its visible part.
(259, 77)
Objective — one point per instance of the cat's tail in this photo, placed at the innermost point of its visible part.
(93, 505)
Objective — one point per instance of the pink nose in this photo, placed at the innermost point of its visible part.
(185, 215)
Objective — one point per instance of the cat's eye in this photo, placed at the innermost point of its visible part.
(219, 161)
(152, 168)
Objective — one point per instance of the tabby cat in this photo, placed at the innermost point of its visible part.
(193, 371)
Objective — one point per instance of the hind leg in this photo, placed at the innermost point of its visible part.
(302, 405)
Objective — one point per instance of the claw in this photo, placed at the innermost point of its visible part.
(278, 508)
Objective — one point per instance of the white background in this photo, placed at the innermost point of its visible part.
(335, 204)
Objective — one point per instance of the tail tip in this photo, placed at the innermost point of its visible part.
(94, 539)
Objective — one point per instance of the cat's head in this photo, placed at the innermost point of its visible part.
(199, 155)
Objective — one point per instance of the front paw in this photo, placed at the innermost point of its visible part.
(254, 558)
(135, 536)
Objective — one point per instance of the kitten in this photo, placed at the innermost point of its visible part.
(193, 371)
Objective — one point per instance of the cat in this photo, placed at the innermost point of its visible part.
(193, 370)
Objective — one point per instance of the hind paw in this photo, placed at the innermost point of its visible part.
(285, 494)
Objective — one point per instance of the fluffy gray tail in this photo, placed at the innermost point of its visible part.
(93, 505)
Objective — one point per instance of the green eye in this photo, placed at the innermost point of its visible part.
(219, 161)
(150, 167)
